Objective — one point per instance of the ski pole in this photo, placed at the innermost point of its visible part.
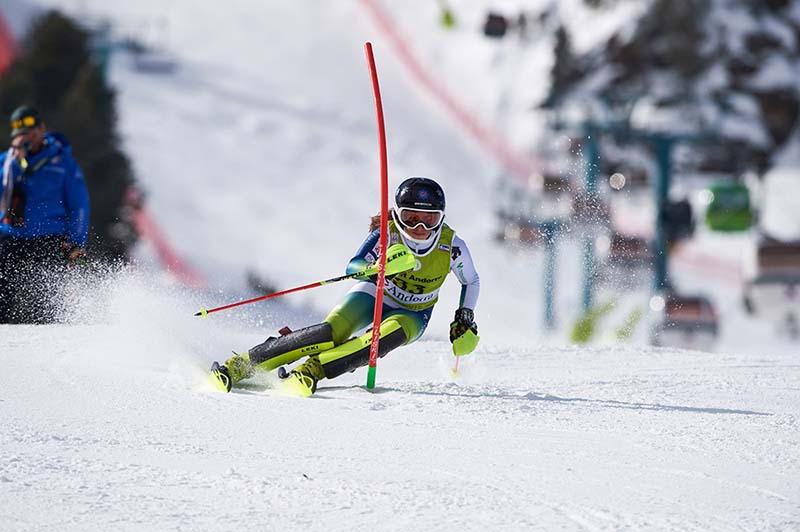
(463, 345)
(205, 312)
(454, 369)
(399, 260)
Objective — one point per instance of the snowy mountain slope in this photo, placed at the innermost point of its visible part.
(537, 439)
(288, 133)
(511, 75)
(255, 121)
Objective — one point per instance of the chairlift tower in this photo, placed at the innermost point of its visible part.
(550, 230)
(619, 126)
(592, 154)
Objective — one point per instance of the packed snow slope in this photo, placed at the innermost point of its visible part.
(111, 430)
(260, 153)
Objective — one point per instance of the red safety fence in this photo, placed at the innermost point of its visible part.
(148, 230)
(7, 46)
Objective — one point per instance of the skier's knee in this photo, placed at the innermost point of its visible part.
(409, 325)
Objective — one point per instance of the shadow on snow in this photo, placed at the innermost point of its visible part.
(456, 391)
(452, 390)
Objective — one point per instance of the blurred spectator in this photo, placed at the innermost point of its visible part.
(44, 205)
(446, 18)
(522, 26)
(495, 25)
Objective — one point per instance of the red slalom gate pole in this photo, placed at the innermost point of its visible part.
(376, 319)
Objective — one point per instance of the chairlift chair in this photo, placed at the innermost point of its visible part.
(686, 322)
(730, 209)
(773, 292)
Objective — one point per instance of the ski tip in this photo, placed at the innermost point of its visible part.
(294, 387)
(220, 378)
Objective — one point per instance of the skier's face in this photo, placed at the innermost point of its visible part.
(29, 141)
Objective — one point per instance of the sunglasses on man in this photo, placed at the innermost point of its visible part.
(25, 121)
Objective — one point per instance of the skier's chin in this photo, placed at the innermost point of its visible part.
(420, 235)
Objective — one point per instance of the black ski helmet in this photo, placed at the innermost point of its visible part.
(420, 193)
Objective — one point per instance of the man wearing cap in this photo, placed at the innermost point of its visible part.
(44, 218)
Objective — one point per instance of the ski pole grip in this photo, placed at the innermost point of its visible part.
(399, 259)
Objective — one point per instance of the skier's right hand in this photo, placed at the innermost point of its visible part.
(398, 260)
(374, 277)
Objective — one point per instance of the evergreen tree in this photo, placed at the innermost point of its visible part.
(55, 73)
(566, 68)
(676, 55)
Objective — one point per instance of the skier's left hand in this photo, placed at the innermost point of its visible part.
(463, 321)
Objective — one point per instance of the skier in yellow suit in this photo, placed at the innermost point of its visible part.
(417, 229)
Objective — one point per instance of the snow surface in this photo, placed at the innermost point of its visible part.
(259, 154)
(102, 435)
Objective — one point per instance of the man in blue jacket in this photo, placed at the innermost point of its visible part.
(44, 219)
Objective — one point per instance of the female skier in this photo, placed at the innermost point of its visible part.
(417, 223)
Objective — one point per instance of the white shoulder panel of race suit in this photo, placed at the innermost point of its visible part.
(464, 269)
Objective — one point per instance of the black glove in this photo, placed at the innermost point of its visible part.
(462, 322)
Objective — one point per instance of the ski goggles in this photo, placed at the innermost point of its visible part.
(413, 218)
(26, 121)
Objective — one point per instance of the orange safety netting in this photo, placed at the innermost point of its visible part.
(6, 46)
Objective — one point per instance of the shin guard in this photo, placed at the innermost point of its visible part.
(355, 353)
(286, 349)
